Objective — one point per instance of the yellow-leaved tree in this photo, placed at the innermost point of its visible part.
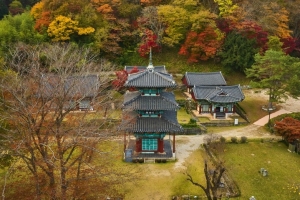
(226, 7)
(37, 9)
(61, 28)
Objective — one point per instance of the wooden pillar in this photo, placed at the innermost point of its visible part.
(138, 145)
(124, 142)
(160, 145)
(233, 108)
(173, 142)
(200, 110)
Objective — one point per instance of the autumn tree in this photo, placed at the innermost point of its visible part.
(122, 76)
(150, 2)
(117, 29)
(57, 145)
(63, 27)
(288, 128)
(176, 19)
(226, 7)
(202, 46)
(149, 41)
(271, 15)
(150, 20)
(15, 7)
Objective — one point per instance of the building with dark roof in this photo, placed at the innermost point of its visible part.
(79, 90)
(150, 113)
(220, 101)
(142, 68)
(190, 79)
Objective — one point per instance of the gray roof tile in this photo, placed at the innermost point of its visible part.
(142, 68)
(165, 101)
(150, 79)
(205, 78)
(166, 123)
(219, 94)
(72, 86)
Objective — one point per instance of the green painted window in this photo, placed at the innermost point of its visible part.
(150, 91)
(149, 144)
(205, 108)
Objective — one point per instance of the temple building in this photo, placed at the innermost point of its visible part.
(212, 94)
(219, 101)
(190, 79)
(149, 114)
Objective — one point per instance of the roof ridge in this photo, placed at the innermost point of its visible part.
(142, 74)
(175, 124)
(160, 74)
(169, 100)
(132, 99)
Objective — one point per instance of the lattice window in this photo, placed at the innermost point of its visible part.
(149, 144)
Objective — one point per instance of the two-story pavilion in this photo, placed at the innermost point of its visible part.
(150, 112)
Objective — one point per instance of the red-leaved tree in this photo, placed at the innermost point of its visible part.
(252, 30)
(288, 128)
(289, 44)
(149, 40)
(122, 77)
(200, 46)
(249, 29)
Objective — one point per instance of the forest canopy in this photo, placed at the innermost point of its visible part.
(198, 30)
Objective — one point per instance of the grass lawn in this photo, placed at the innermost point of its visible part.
(183, 117)
(283, 168)
(179, 95)
(162, 181)
(252, 106)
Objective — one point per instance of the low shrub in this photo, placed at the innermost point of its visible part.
(222, 139)
(234, 139)
(244, 139)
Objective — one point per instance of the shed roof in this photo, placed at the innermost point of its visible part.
(219, 94)
(205, 78)
(135, 101)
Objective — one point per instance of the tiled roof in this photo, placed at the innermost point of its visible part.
(72, 86)
(150, 78)
(219, 94)
(142, 68)
(82, 85)
(165, 101)
(206, 79)
(166, 123)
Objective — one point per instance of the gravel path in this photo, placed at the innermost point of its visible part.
(187, 144)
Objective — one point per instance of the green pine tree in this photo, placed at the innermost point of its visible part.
(237, 52)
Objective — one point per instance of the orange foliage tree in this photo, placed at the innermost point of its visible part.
(288, 128)
(150, 2)
(200, 46)
(42, 22)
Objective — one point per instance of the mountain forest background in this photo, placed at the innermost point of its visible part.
(227, 31)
